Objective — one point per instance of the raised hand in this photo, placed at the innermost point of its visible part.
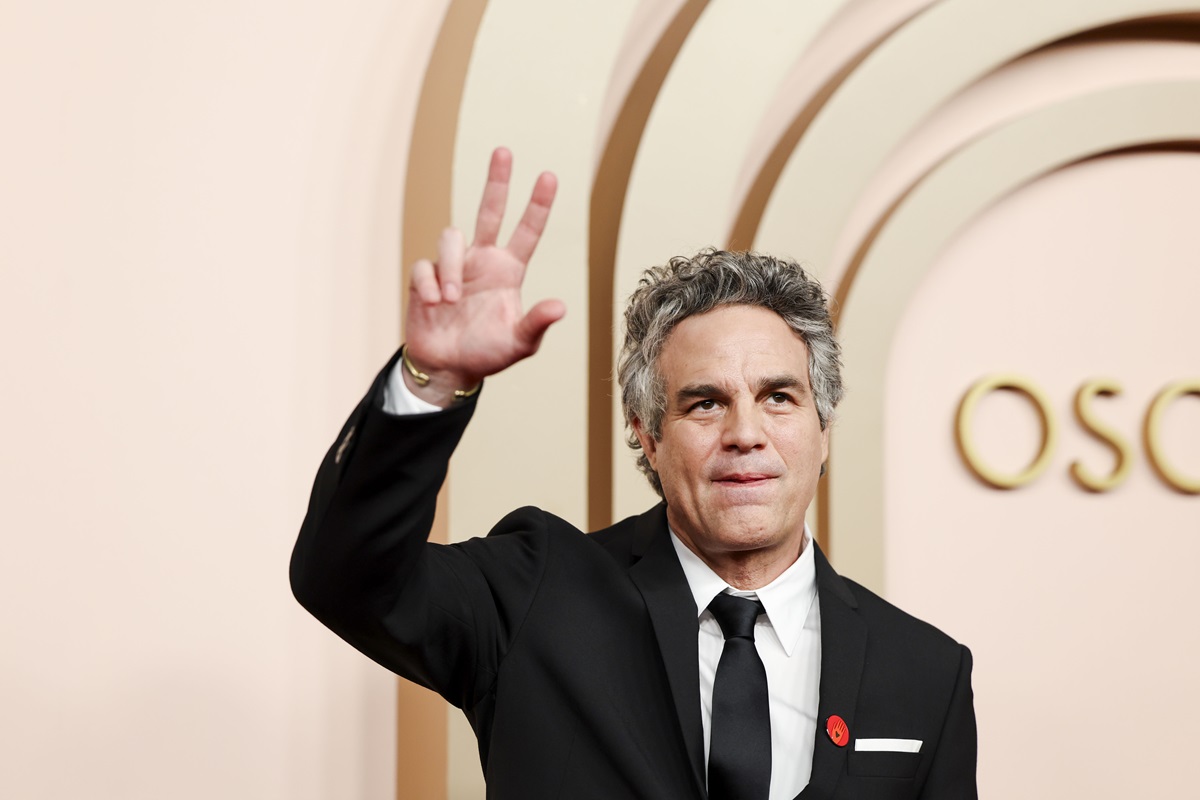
(465, 316)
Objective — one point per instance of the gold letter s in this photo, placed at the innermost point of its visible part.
(1093, 425)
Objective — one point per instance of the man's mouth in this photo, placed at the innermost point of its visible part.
(737, 478)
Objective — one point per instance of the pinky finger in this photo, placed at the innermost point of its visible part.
(424, 282)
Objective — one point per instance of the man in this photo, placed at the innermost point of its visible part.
(703, 649)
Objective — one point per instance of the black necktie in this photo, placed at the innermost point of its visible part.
(739, 751)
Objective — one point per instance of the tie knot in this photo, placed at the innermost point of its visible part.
(736, 615)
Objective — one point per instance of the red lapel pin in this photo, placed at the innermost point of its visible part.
(839, 732)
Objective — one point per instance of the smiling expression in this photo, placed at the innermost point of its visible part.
(741, 445)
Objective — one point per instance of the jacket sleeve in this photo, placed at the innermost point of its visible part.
(440, 615)
(952, 774)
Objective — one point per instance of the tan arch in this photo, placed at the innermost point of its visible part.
(422, 752)
(923, 221)
(819, 72)
(1112, 21)
(904, 80)
(609, 187)
(1047, 76)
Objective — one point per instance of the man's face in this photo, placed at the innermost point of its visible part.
(741, 446)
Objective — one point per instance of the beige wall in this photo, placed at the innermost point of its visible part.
(199, 207)
(202, 230)
(1072, 601)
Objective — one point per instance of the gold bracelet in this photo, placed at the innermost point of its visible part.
(422, 378)
(463, 394)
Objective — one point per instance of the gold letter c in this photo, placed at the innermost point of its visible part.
(1153, 433)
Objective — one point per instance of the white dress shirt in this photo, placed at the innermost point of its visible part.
(399, 399)
(788, 639)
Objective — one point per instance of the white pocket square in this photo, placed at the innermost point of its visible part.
(887, 745)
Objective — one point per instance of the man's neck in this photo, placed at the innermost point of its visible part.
(748, 570)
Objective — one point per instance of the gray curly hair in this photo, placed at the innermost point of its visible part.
(684, 287)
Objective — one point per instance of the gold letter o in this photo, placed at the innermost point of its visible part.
(970, 454)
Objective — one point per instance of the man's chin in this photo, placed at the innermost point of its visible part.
(748, 527)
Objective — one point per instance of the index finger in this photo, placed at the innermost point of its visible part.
(533, 221)
(495, 195)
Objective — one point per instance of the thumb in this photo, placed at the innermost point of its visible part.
(533, 325)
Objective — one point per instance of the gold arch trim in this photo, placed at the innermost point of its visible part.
(422, 746)
(748, 218)
(604, 226)
(753, 205)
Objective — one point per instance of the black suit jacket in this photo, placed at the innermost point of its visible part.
(574, 656)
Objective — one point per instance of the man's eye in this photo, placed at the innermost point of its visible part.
(705, 405)
(779, 398)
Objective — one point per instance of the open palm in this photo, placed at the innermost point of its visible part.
(465, 316)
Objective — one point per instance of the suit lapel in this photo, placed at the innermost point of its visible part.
(843, 649)
(660, 579)
(672, 609)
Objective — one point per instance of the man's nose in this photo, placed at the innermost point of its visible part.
(743, 427)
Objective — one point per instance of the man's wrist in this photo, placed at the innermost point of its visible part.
(442, 388)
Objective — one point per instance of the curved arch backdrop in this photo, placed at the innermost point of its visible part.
(862, 138)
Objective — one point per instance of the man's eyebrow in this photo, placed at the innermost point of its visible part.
(696, 391)
(773, 383)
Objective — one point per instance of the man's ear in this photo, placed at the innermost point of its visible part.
(649, 445)
(825, 443)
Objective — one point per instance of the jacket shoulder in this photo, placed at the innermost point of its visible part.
(896, 626)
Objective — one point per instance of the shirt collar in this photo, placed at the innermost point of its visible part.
(787, 599)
